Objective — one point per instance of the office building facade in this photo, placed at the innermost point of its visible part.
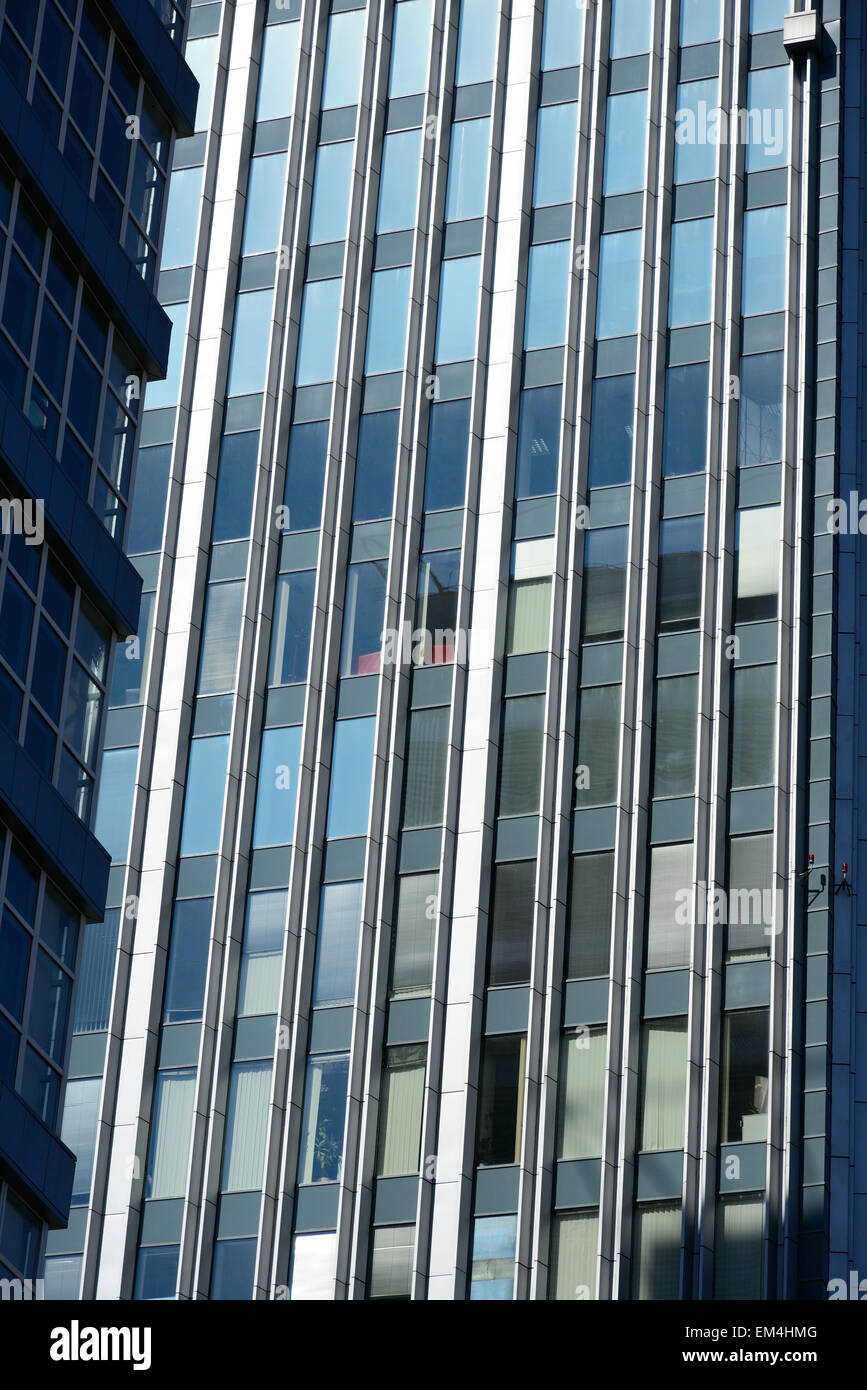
(499, 671)
(90, 96)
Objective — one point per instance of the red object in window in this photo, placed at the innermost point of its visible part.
(368, 665)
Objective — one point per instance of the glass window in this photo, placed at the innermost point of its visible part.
(80, 1118)
(331, 187)
(619, 284)
(182, 217)
(337, 944)
(630, 28)
(766, 15)
(96, 974)
(236, 481)
(674, 747)
(611, 430)
(476, 40)
(391, 1262)
(40, 1086)
(745, 1077)
(562, 34)
(147, 514)
(220, 638)
(319, 322)
(53, 351)
(684, 447)
(547, 295)
(670, 911)
(458, 309)
(246, 1126)
(427, 749)
(501, 1099)
(521, 765)
(492, 1274)
(387, 318)
(625, 126)
(605, 554)
(264, 214)
(343, 59)
(58, 926)
(466, 191)
(689, 297)
(696, 131)
(114, 801)
(599, 727)
(400, 1110)
(234, 1268)
(413, 934)
(699, 22)
(201, 56)
(364, 609)
(398, 179)
(656, 1251)
(752, 898)
(573, 1255)
(259, 983)
(165, 393)
(49, 1006)
(556, 140)
(528, 624)
(277, 790)
(49, 668)
(760, 410)
(581, 1093)
(14, 959)
(171, 1131)
(754, 720)
(663, 1084)
(305, 475)
(375, 464)
(321, 1157)
(250, 341)
(291, 627)
(351, 777)
(738, 1248)
(538, 441)
(157, 1272)
(188, 960)
(757, 579)
(410, 41)
(591, 897)
(22, 1236)
(132, 657)
(314, 1260)
(206, 789)
(681, 566)
(436, 610)
(277, 72)
(765, 260)
(768, 117)
(511, 926)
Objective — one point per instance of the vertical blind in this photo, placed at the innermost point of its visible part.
(426, 767)
(738, 1253)
(401, 1110)
(663, 1084)
(247, 1126)
(656, 1251)
(170, 1134)
(669, 916)
(222, 634)
(573, 1255)
(413, 939)
(529, 616)
(582, 1095)
(592, 894)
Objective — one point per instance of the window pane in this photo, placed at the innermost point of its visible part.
(206, 788)
(619, 284)
(413, 934)
(400, 1110)
(768, 104)
(14, 958)
(96, 974)
(591, 899)
(387, 318)
(362, 618)
(699, 22)
(767, 14)
(80, 1117)
(605, 584)
(670, 912)
(319, 322)
(599, 727)
(765, 260)
(694, 151)
(165, 393)
(220, 638)
(250, 339)
(314, 1259)
(458, 309)
(573, 1256)
(182, 217)
(351, 777)
(630, 28)
(277, 71)
(321, 1157)
(581, 1093)
(410, 41)
(492, 1276)
(752, 900)
(436, 610)
(676, 726)
(246, 1126)
(375, 464)
(663, 1084)
(739, 1246)
(391, 1262)
(547, 295)
(305, 475)
(49, 1006)
(511, 926)
(476, 39)
(561, 34)
(684, 447)
(529, 618)
(656, 1251)
(448, 441)
(521, 766)
(259, 984)
(188, 960)
(625, 126)
(426, 753)
(292, 622)
(501, 1100)
(277, 790)
(114, 802)
(611, 431)
(234, 1269)
(538, 442)
(398, 179)
(745, 1075)
(468, 163)
(264, 212)
(757, 577)
(148, 510)
(760, 411)
(754, 721)
(331, 187)
(171, 1131)
(337, 946)
(681, 564)
(201, 56)
(343, 59)
(689, 299)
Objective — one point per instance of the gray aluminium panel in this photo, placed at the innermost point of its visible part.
(395, 1200)
(660, 1176)
(585, 1002)
(316, 1207)
(577, 1182)
(497, 1190)
(507, 1009)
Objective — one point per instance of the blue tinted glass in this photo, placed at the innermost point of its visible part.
(630, 27)
(611, 431)
(19, 306)
(351, 776)
(206, 789)
(699, 21)
(188, 961)
(689, 294)
(130, 663)
(556, 137)
(684, 447)
(84, 396)
(458, 309)
(337, 946)
(53, 351)
(561, 34)
(538, 442)
(319, 321)
(626, 124)
(696, 131)
(476, 38)
(398, 181)
(49, 666)
(448, 441)
(22, 885)
(40, 742)
(493, 1275)
(182, 217)
(264, 215)
(114, 801)
(331, 192)
(16, 617)
(250, 341)
(165, 393)
(468, 162)
(236, 479)
(760, 410)
(768, 14)
(156, 1272)
(765, 260)
(681, 554)
(305, 476)
(768, 116)
(147, 514)
(201, 56)
(343, 59)
(14, 956)
(278, 787)
(277, 72)
(605, 554)
(8, 1051)
(234, 1264)
(410, 41)
(321, 1158)
(375, 464)
(362, 621)
(96, 974)
(291, 627)
(547, 295)
(387, 319)
(619, 281)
